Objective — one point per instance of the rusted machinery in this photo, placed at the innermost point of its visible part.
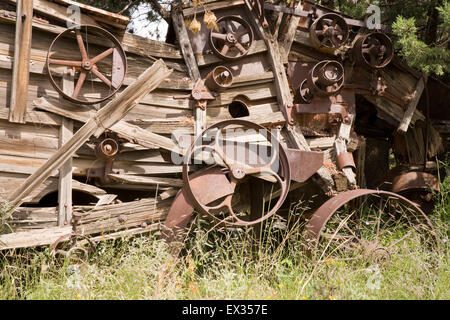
(270, 104)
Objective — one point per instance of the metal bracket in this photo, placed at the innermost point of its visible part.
(200, 94)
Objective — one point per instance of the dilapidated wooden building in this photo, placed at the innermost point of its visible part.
(348, 112)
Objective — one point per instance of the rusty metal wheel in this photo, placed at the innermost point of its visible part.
(99, 65)
(304, 93)
(240, 150)
(374, 50)
(368, 222)
(74, 247)
(326, 78)
(329, 31)
(234, 39)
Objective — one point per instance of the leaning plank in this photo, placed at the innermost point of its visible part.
(134, 179)
(33, 238)
(191, 63)
(104, 118)
(412, 105)
(290, 35)
(22, 50)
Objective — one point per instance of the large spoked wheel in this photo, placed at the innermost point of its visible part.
(99, 64)
(329, 31)
(234, 39)
(245, 151)
(376, 224)
(374, 50)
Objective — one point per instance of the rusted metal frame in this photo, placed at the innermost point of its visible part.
(181, 210)
(21, 66)
(414, 181)
(320, 218)
(191, 63)
(292, 134)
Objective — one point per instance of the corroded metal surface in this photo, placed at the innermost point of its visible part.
(211, 184)
(320, 218)
(304, 163)
(414, 181)
(344, 160)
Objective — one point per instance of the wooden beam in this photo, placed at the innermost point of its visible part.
(104, 118)
(290, 35)
(191, 63)
(33, 238)
(22, 51)
(56, 11)
(412, 105)
(65, 172)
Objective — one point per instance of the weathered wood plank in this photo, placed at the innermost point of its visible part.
(292, 28)
(33, 238)
(22, 47)
(412, 105)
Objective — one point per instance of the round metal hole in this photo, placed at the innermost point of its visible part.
(238, 109)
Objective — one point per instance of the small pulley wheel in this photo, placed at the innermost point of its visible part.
(329, 31)
(234, 39)
(374, 50)
(326, 78)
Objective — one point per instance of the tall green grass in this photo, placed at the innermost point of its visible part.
(227, 264)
